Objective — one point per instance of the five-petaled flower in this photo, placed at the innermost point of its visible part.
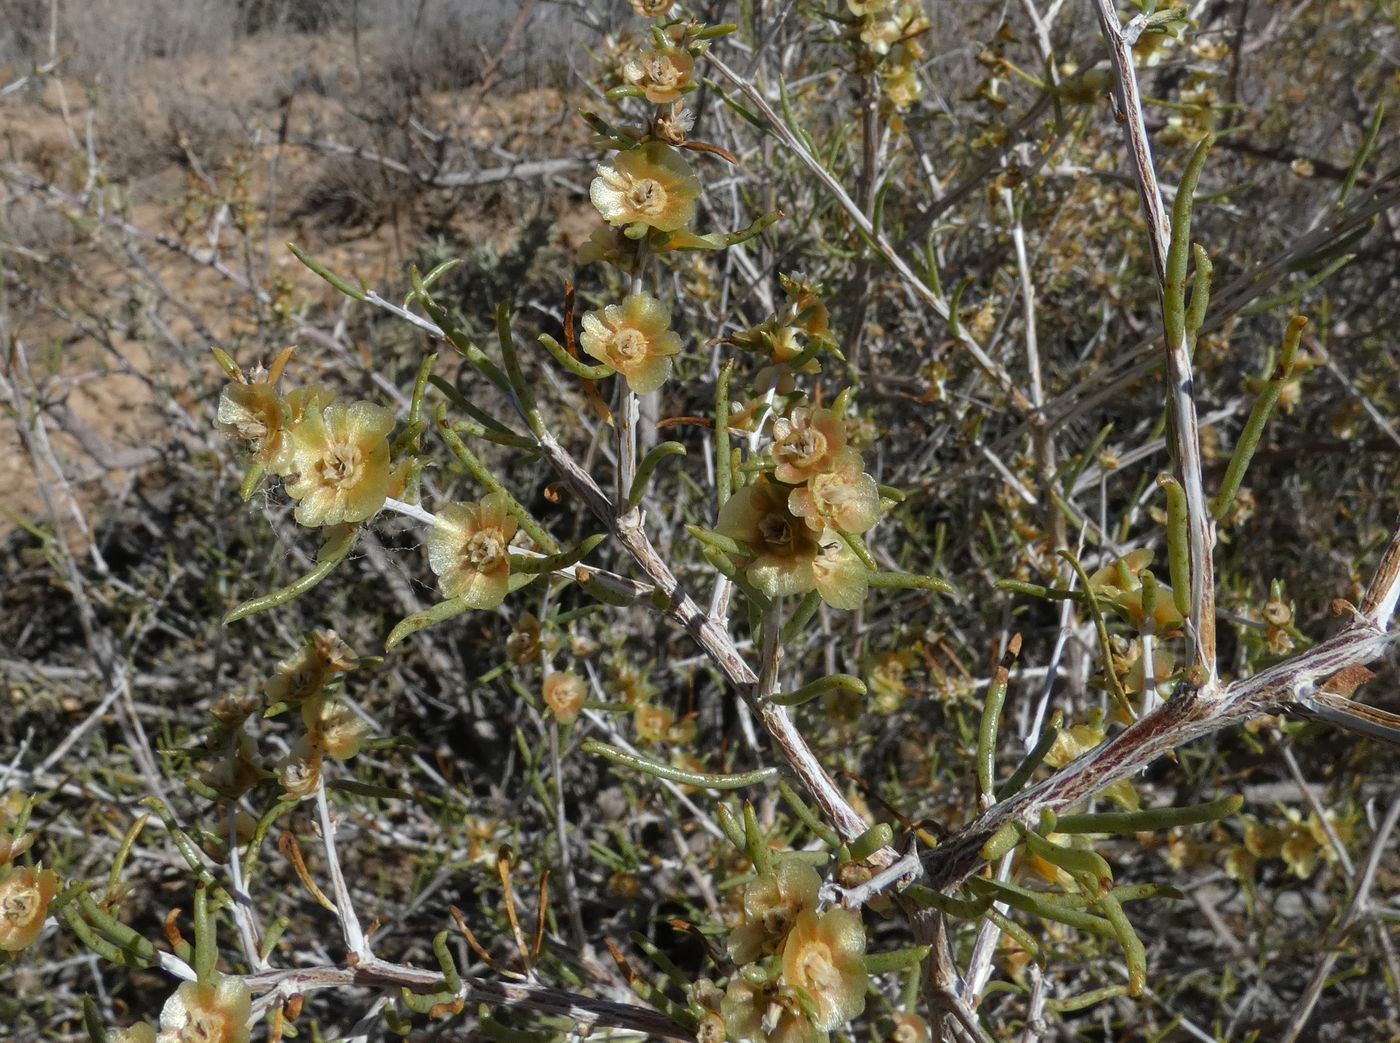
(766, 1013)
(469, 550)
(784, 555)
(805, 443)
(646, 187)
(663, 73)
(823, 958)
(635, 339)
(25, 895)
(339, 467)
(771, 905)
(564, 693)
(212, 1012)
(304, 674)
(843, 496)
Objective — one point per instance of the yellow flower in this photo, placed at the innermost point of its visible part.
(237, 769)
(469, 550)
(305, 674)
(766, 1014)
(251, 415)
(251, 412)
(771, 905)
(805, 443)
(339, 467)
(652, 723)
(663, 73)
(564, 692)
(902, 85)
(823, 959)
(216, 1012)
(646, 187)
(1120, 584)
(25, 895)
(608, 245)
(909, 1028)
(785, 555)
(652, 8)
(332, 727)
(635, 339)
(299, 771)
(843, 497)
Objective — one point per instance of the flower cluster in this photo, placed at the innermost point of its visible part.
(331, 729)
(306, 681)
(789, 336)
(332, 457)
(795, 525)
(802, 971)
(883, 24)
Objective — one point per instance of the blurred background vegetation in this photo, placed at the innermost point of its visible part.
(157, 154)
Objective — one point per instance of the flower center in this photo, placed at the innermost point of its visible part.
(647, 197)
(630, 344)
(662, 71)
(484, 551)
(340, 465)
(775, 530)
(203, 1027)
(818, 970)
(20, 908)
(830, 490)
(808, 447)
(776, 921)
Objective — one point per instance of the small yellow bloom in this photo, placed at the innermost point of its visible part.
(524, 641)
(564, 692)
(652, 723)
(332, 727)
(635, 339)
(305, 674)
(236, 771)
(805, 443)
(823, 958)
(652, 8)
(25, 895)
(646, 187)
(1120, 584)
(766, 1014)
(771, 905)
(216, 1012)
(299, 771)
(785, 555)
(339, 467)
(902, 85)
(469, 550)
(663, 73)
(252, 414)
(608, 245)
(843, 497)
